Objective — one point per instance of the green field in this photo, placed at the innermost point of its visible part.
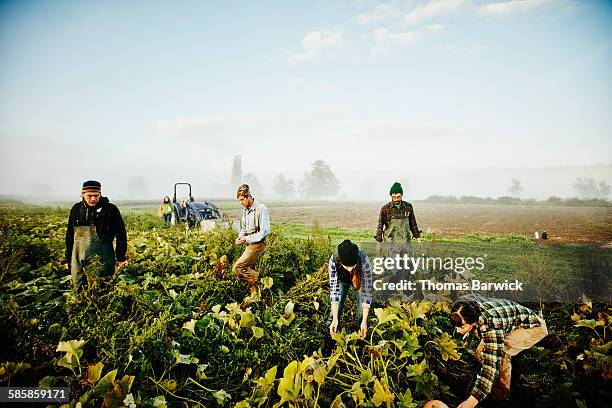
(171, 329)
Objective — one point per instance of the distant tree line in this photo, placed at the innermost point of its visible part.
(507, 200)
(318, 182)
(586, 188)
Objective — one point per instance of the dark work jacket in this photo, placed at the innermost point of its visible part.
(389, 212)
(108, 221)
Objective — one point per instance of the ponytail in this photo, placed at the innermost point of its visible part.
(356, 278)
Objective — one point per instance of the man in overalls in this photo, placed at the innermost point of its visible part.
(255, 227)
(93, 225)
(396, 220)
(396, 223)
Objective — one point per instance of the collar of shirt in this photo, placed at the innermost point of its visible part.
(482, 324)
(253, 206)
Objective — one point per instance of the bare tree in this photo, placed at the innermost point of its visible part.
(320, 181)
(586, 187)
(283, 186)
(236, 177)
(604, 190)
(516, 188)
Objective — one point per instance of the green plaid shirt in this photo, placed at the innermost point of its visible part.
(498, 317)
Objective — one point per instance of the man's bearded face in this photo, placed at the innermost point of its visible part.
(396, 199)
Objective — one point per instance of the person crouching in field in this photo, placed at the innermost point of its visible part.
(505, 328)
(93, 225)
(255, 227)
(349, 267)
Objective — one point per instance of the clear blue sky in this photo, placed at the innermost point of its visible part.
(162, 91)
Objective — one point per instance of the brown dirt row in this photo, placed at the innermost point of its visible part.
(563, 224)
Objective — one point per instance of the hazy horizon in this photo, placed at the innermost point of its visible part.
(456, 97)
(537, 184)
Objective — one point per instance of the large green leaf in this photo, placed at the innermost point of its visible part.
(448, 347)
(73, 352)
(114, 396)
(94, 372)
(265, 384)
(286, 387)
(382, 394)
(358, 394)
(405, 400)
(366, 377)
(190, 325)
(104, 384)
(258, 332)
(267, 282)
(319, 374)
(415, 370)
(247, 319)
(384, 315)
(221, 396)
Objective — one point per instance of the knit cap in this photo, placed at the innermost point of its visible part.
(348, 253)
(91, 186)
(396, 188)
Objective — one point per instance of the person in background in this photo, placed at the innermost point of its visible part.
(165, 210)
(505, 328)
(255, 227)
(396, 221)
(93, 224)
(396, 225)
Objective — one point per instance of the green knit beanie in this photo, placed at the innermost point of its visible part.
(396, 188)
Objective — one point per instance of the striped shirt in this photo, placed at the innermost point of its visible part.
(366, 279)
(498, 317)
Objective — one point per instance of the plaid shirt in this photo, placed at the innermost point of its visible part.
(366, 279)
(498, 317)
(389, 212)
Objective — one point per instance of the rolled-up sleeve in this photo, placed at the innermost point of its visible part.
(382, 218)
(413, 224)
(334, 289)
(366, 282)
(492, 355)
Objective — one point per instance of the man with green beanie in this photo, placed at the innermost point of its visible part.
(94, 223)
(396, 221)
